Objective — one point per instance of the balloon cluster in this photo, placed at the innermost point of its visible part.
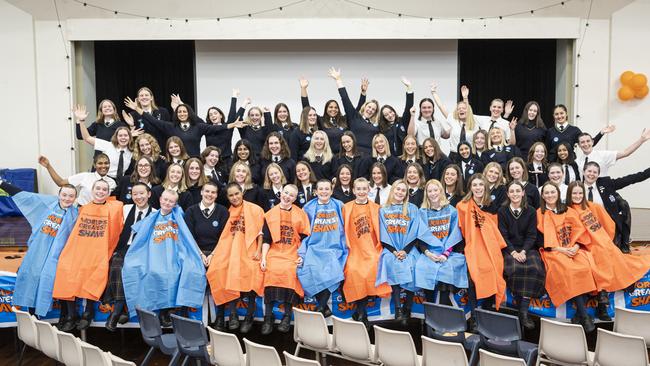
(632, 86)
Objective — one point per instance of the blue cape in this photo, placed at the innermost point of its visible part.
(51, 226)
(324, 252)
(163, 267)
(444, 233)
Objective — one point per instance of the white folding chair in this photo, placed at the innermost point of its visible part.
(395, 348)
(69, 349)
(261, 355)
(563, 344)
(614, 349)
(117, 361)
(225, 349)
(27, 331)
(310, 332)
(48, 341)
(298, 361)
(351, 339)
(94, 356)
(633, 322)
(492, 359)
(435, 352)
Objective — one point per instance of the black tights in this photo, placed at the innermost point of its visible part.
(362, 304)
(118, 307)
(268, 308)
(471, 298)
(250, 296)
(444, 296)
(581, 305)
(396, 298)
(322, 298)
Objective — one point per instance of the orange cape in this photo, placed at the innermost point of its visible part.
(483, 244)
(83, 265)
(566, 277)
(232, 269)
(361, 224)
(286, 228)
(613, 270)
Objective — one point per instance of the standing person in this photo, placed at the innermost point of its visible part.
(452, 182)
(433, 161)
(556, 176)
(175, 181)
(214, 166)
(523, 267)
(565, 158)
(530, 128)
(414, 178)
(381, 154)
(566, 255)
(194, 179)
(51, 219)
(146, 145)
(286, 226)
(516, 170)
(82, 271)
(468, 163)
(241, 174)
(562, 131)
(234, 272)
(348, 154)
(343, 185)
(493, 173)
(379, 187)
(223, 138)
(175, 152)
(480, 144)
(145, 100)
(460, 124)
(282, 123)
(498, 150)
(144, 172)
(244, 153)
(301, 137)
(324, 252)
(400, 229)
(114, 293)
(274, 181)
(606, 159)
(306, 183)
(499, 112)
(106, 123)
(361, 218)
(395, 127)
(410, 154)
(257, 125)
(276, 151)
(426, 126)
(537, 164)
(440, 268)
(320, 156)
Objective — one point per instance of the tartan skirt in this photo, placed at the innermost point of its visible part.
(525, 279)
(281, 294)
(114, 288)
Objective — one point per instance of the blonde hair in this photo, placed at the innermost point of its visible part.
(443, 197)
(501, 179)
(416, 155)
(470, 123)
(267, 181)
(248, 121)
(327, 151)
(129, 144)
(248, 181)
(486, 199)
(378, 137)
(153, 100)
(494, 130)
(100, 115)
(182, 186)
(389, 201)
(155, 148)
(375, 117)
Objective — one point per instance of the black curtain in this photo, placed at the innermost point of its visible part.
(521, 70)
(166, 67)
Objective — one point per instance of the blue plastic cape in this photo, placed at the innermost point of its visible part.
(399, 230)
(324, 252)
(163, 267)
(444, 234)
(51, 226)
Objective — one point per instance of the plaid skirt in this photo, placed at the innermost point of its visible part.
(525, 279)
(114, 288)
(281, 294)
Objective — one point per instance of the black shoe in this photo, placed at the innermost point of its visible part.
(473, 328)
(246, 325)
(267, 326)
(123, 318)
(69, 324)
(220, 324)
(233, 323)
(575, 319)
(355, 316)
(625, 249)
(588, 324)
(526, 321)
(285, 324)
(111, 322)
(165, 319)
(85, 321)
(364, 320)
(405, 315)
(325, 311)
(601, 313)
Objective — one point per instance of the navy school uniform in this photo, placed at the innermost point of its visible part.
(343, 196)
(184, 198)
(360, 165)
(434, 169)
(527, 135)
(472, 167)
(570, 135)
(392, 166)
(254, 166)
(536, 177)
(322, 170)
(257, 136)
(161, 114)
(206, 229)
(403, 164)
(304, 195)
(101, 131)
(288, 166)
(498, 195)
(416, 196)
(532, 195)
(397, 132)
(254, 195)
(299, 144)
(269, 199)
(363, 130)
(223, 138)
(195, 194)
(501, 156)
(123, 191)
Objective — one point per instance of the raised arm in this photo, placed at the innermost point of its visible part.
(350, 111)
(232, 112)
(364, 90)
(304, 97)
(645, 135)
(411, 128)
(445, 132)
(80, 115)
(406, 114)
(45, 163)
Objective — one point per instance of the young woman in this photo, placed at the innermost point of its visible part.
(319, 155)
(324, 252)
(343, 185)
(483, 244)
(440, 268)
(286, 227)
(556, 176)
(414, 178)
(460, 125)
(381, 154)
(379, 187)
(349, 155)
(516, 170)
(400, 230)
(175, 181)
(433, 161)
(282, 123)
(306, 183)
(468, 163)
(146, 101)
(452, 182)
(493, 173)
(234, 272)
(612, 269)
(240, 173)
(276, 150)
(194, 179)
(480, 144)
(569, 272)
(214, 167)
(82, 270)
(223, 138)
(274, 180)
(564, 157)
(426, 126)
(363, 122)
(498, 150)
(257, 125)
(175, 152)
(523, 267)
(144, 172)
(531, 128)
(537, 164)
(410, 153)
(244, 153)
(106, 122)
(395, 127)
(146, 145)
(564, 132)
(361, 218)
(301, 137)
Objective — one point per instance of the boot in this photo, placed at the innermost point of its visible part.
(588, 324)
(404, 317)
(85, 321)
(285, 324)
(165, 319)
(220, 324)
(111, 322)
(364, 320)
(233, 323)
(247, 324)
(69, 324)
(267, 326)
(123, 318)
(601, 312)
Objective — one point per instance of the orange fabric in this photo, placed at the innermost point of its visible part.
(566, 277)
(483, 244)
(613, 270)
(82, 270)
(232, 269)
(361, 223)
(286, 228)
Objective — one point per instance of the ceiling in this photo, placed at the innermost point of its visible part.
(195, 9)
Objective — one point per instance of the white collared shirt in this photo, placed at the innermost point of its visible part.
(113, 154)
(597, 198)
(605, 158)
(484, 123)
(203, 207)
(84, 182)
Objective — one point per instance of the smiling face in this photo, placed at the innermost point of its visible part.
(102, 165)
(255, 115)
(274, 145)
(479, 141)
(194, 171)
(174, 150)
(360, 190)
(240, 174)
(319, 141)
(450, 177)
(208, 194)
(212, 159)
(302, 173)
(347, 143)
(345, 177)
(380, 146)
(182, 113)
(144, 168)
(377, 177)
(288, 196)
(586, 144)
(243, 153)
(496, 136)
(496, 108)
(370, 109)
(550, 195)
(559, 115)
(107, 108)
(532, 112)
(140, 195)
(426, 110)
(577, 195)
(145, 146)
(275, 175)
(428, 149)
(389, 114)
(515, 194)
(562, 152)
(516, 170)
(312, 118)
(464, 151)
(399, 193)
(144, 98)
(410, 146)
(214, 116)
(100, 191)
(67, 195)
(235, 196)
(492, 174)
(433, 194)
(591, 174)
(478, 188)
(412, 176)
(332, 109)
(167, 202)
(555, 174)
(461, 108)
(539, 153)
(323, 191)
(283, 114)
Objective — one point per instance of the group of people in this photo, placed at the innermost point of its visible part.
(370, 203)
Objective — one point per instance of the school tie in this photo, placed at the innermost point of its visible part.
(308, 193)
(432, 134)
(567, 179)
(276, 159)
(561, 127)
(463, 134)
(214, 174)
(185, 126)
(411, 191)
(346, 192)
(498, 148)
(586, 161)
(206, 212)
(133, 232)
(120, 166)
(377, 198)
(277, 194)
(516, 212)
(381, 160)
(410, 161)
(492, 123)
(590, 195)
(319, 158)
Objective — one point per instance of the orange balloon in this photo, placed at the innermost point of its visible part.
(641, 93)
(625, 93)
(638, 81)
(626, 77)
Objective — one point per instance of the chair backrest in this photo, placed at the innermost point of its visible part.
(444, 318)
(226, 350)
(70, 349)
(562, 342)
(351, 339)
(613, 349)
(26, 328)
(388, 341)
(261, 355)
(189, 333)
(493, 359)
(149, 327)
(436, 352)
(310, 328)
(94, 356)
(117, 361)
(633, 322)
(48, 342)
(298, 361)
(497, 326)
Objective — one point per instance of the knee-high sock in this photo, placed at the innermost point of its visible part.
(429, 295)
(232, 306)
(268, 308)
(581, 306)
(444, 297)
(118, 307)
(221, 309)
(72, 308)
(361, 306)
(488, 302)
(395, 296)
(471, 295)
(288, 307)
(409, 300)
(90, 308)
(322, 298)
(251, 303)
(524, 303)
